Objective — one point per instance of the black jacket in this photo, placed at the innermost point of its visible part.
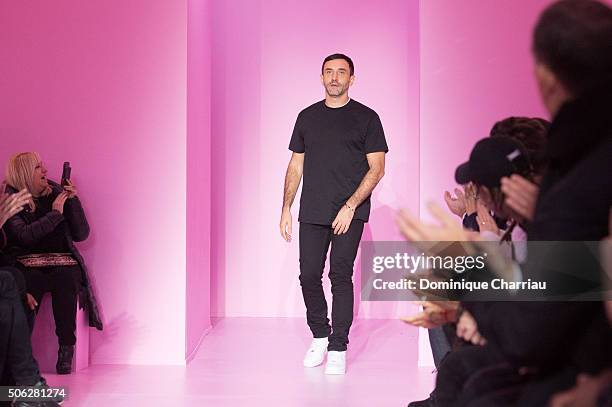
(573, 205)
(25, 231)
(576, 192)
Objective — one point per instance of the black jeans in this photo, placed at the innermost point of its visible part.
(63, 283)
(15, 348)
(314, 243)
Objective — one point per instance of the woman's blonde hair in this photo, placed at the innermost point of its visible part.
(20, 173)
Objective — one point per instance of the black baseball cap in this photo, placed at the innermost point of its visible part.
(491, 159)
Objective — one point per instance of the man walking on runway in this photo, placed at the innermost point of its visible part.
(339, 147)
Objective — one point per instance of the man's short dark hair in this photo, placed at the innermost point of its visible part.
(340, 56)
(573, 38)
(530, 132)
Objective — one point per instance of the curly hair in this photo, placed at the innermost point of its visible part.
(530, 132)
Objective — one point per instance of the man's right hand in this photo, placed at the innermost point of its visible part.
(12, 204)
(285, 225)
(521, 195)
(467, 329)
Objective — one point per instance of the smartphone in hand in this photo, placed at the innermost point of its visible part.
(66, 172)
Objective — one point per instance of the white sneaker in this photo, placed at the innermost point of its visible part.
(316, 353)
(336, 362)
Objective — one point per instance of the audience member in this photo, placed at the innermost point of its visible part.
(536, 349)
(16, 358)
(41, 239)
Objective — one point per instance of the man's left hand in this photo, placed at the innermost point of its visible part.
(343, 220)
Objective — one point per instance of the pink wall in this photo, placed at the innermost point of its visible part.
(198, 171)
(235, 130)
(103, 85)
(266, 68)
(476, 68)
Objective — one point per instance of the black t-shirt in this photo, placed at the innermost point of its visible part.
(335, 142)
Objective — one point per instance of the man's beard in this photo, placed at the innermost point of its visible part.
(339, 90)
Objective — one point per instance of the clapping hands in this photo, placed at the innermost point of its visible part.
(521, 195)
(434, 314)
(12, 204)
(464, 202)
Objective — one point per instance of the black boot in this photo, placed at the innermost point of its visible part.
(64, 359)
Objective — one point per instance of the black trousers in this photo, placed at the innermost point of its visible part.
(314, 244)
(479, 376)
(16, 358)
(455, 370)
(63, 283)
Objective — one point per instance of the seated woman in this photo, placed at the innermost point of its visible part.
(41, 239)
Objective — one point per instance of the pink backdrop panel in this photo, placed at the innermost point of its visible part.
(235, 134)
(198, 171)
(267, 63)
(476, 68)
(102, 84)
